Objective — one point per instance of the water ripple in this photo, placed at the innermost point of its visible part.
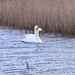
(55, 56)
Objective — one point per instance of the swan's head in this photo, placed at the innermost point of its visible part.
(36, 26)
(40, 29)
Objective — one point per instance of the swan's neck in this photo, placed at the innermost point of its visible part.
(37, 34)
(35, 31)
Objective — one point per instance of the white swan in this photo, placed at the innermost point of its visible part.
(33, 37)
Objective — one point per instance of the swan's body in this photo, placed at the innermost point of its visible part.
(30, 38)
(33, 37)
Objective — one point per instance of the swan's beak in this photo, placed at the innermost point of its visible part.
(42, 30)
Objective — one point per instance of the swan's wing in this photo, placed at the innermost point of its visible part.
(30, 38)
(29, 35)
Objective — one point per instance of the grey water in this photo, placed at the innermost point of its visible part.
(55, 56)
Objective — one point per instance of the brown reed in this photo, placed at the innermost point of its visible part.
(52, 15)
(27, 65)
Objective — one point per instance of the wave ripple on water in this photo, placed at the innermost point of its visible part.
(55, 56)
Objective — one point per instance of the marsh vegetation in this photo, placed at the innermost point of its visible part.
(56, 16)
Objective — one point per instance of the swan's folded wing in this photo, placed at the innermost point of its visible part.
(30, 38)
(29, 35)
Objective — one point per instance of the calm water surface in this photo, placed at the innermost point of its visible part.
(55, 56)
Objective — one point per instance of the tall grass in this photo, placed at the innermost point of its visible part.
(51, 15)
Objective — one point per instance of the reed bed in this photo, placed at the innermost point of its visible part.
(52, 15)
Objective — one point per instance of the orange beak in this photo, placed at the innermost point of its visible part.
(42, 30)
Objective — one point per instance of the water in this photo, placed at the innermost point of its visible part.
(55, 56)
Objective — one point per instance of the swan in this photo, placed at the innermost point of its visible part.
(33, 37)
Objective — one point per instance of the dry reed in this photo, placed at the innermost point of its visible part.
(27, 65)
(52, 15)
